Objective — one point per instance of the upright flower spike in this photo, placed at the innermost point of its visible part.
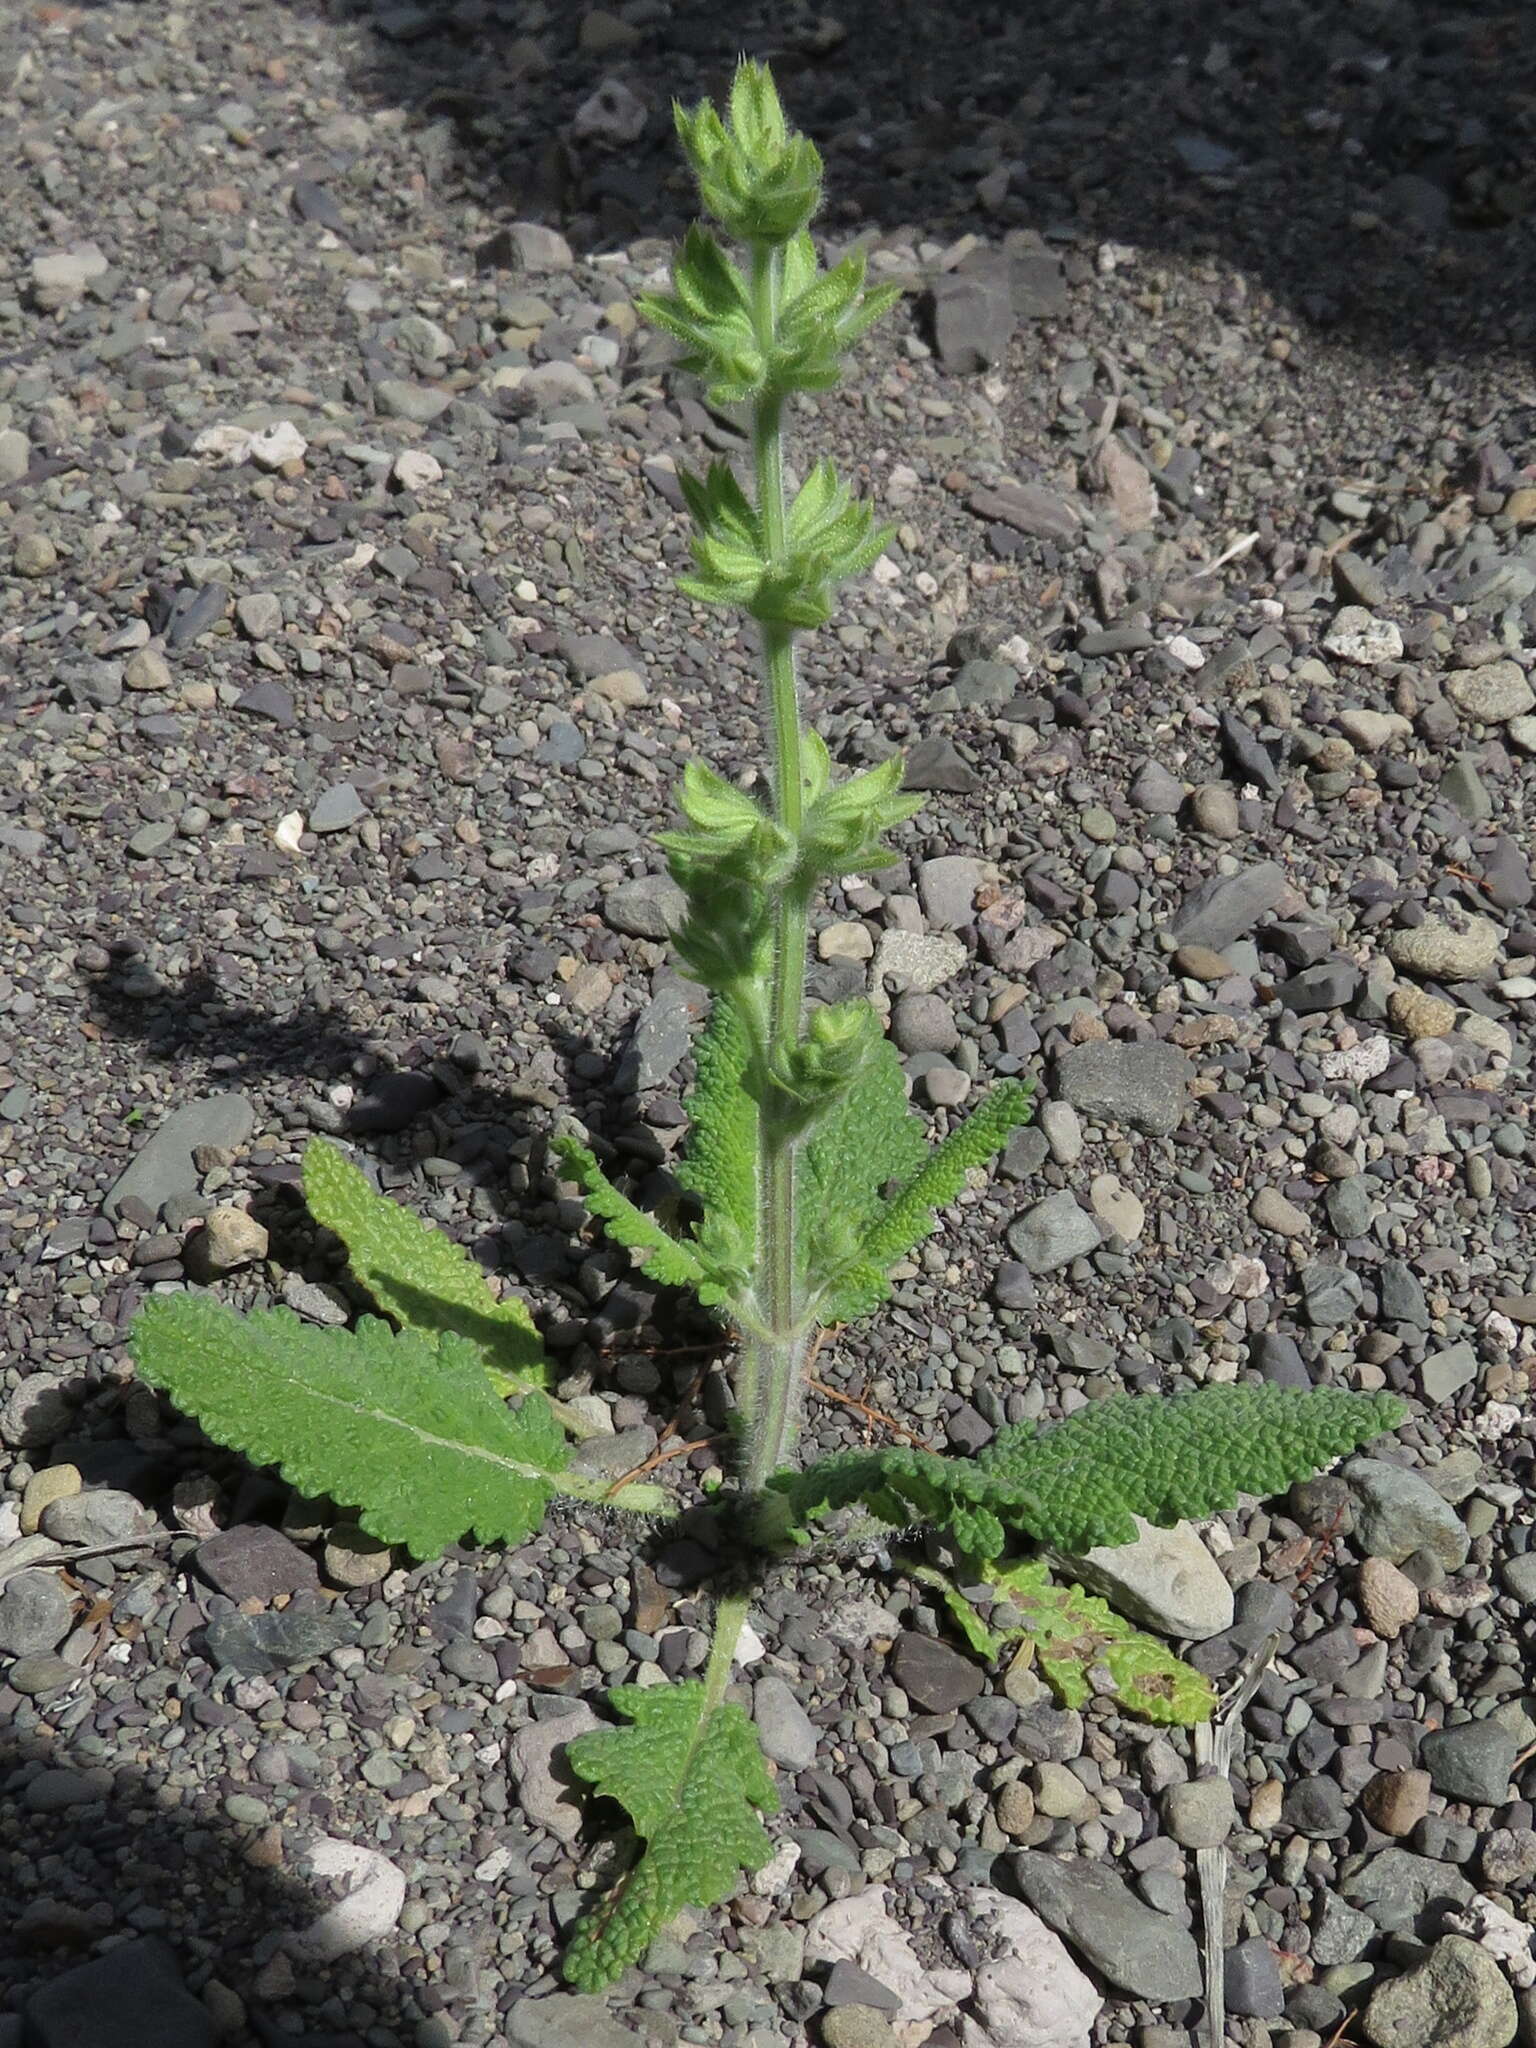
(761, 183)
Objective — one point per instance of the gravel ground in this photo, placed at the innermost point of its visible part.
(342, 684)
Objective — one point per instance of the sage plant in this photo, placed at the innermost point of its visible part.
(814, 1177)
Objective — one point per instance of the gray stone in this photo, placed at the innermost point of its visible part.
(56, 1791)
(1030, 509)
(946, 888)
(1519, 1576)
(1458, 1997)
(1403, 1893)
(923, 1023)
(1359, 636)
(786, 1731)
(1398, 1512)
(1156, 790)
(1229, 906)
(1253, 1981)
(566, 2021)
(940, 1680)
(131, 1997)
(1331, 1296)
(397, 398)
(1472, 1761)
(1144, 1087)
(1167, 1580)
(1141, 1952)
(1053, 1233)
(15, 456)
(1350, 1206)
(647, 907)
(1444, 1373)
(662, 1034)
(336, 808)
(35, 1614)
(972, 308)
(1465, 790)
(935, 763)
(541, 249)
(254, 1645)
(1330, 985)
(35, 1413)
(164, 1167)
(548, 1790)
(102, 1515)
(1401, 1294)
(1340, 1934)
(1200, 1813)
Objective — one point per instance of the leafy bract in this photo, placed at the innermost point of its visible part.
(693, 1780)
(403, 1425)
(665, 1258)
(1081, 1483)
(1083, 1649)
(720, 1164)
(851, 1236)
(418, 1274)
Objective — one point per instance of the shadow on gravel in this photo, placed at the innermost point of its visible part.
(1371, 168)
(115, 1861)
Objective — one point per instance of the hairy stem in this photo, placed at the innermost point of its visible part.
(771, 1380)
(730, 1619)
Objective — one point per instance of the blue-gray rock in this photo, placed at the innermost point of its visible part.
(1228, 906)
(1398, 1512)
(254, 1645)
(1053, 1233)
(57, 1790)
(1143, 1953)
(936, 763)
(1472, 1761)
(786, 1731)
(972, 313)
(1331, 985)
(35, 1614)
(1340, 1934)
(662, 1034)
(1444, 1373)
(132, 1997)
(1330, 1295)
(1143, 1087)
(1403, 1893)
(164, 1167)
(1350, 1206)
(1277, 1358)
(1253, 1981)
(336, 808)
(393, 1101)
(1156, 790)
(1401, 1295)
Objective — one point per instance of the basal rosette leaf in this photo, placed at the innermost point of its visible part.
(419, 1275)
(1084, 1650)
(693, 1781)
(402, 1425)
(1178, 1459)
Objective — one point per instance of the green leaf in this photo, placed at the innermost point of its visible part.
(1080, 1483)
(693, 1782)
(417, 1274)
(401, 1424)
(864, 1139)
(849, 1267)
(911, 1215)
(1174, 1460)
(1075, 1634)
(665, 1258)
(720, 1162)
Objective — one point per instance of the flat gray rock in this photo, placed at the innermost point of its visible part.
(1142, 1086)
(1227, 907)
(132, 1997)
(1139, 1951)
(164, 1166)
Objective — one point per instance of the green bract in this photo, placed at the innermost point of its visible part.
(806, 1178)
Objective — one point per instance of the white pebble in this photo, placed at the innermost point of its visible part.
(376, 1893)
(281, 442)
